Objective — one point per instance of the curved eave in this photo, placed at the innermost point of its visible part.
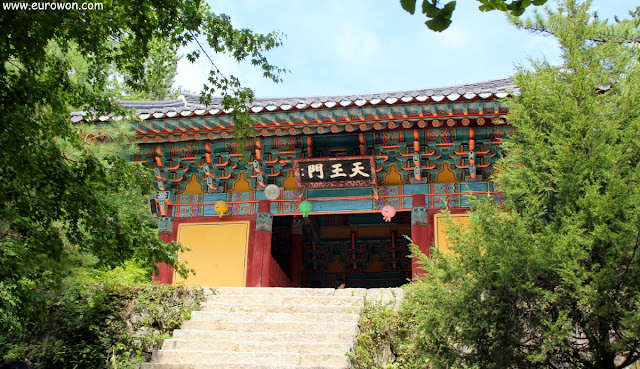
(188, 106)
(475, 113)
(330, 104)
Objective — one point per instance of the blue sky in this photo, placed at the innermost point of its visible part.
(339, 47)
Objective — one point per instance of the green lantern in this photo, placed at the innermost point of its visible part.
(305, 208)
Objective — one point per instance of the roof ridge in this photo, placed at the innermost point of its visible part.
(505, 81)
(185, 105)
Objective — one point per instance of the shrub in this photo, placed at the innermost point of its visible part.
(386, 339)
(104, 326)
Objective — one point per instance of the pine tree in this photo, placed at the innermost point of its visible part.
(551, 279)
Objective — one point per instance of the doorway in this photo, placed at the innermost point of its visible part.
(361, 249)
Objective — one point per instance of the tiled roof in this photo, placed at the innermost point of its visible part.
(189, 105)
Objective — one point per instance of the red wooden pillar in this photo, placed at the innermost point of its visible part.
(419, 231)
(262, 244)
(295, 261)
(165, 233)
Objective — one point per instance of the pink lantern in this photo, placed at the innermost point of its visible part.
(388, 212)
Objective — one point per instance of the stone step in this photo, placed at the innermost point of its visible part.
(287, 300)
(236, 366)
(261, 358)
(295, 327)
(308, 347)
(238, 317)
(266, 328)
(284, 337)
(290, 291)
(272, 308)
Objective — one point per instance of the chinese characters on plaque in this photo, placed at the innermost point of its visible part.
(354, 171)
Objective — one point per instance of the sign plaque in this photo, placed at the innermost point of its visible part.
(347, 171)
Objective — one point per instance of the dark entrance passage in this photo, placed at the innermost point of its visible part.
(360, 249)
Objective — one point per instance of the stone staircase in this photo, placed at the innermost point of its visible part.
(266, 328)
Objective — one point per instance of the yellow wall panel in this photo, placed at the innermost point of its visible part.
(242, 184)
(193, 187)
(441, 236)
(393, 177)
(218, 253)
(446, 175)
(289, 181)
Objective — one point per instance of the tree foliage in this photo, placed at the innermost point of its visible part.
(439, 15)
(59, 195)
(102, 326)
(551, 279)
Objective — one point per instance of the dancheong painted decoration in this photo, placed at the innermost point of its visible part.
(345, 158)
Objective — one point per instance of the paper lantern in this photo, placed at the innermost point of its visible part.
(388, 212)
(272, 192)
(221, 207)
(305, 208)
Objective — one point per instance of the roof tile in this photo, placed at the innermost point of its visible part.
(189, 104)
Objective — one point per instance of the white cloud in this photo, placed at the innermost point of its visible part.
(359, 46)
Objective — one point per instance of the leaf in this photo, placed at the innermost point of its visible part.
(518, 12)
(430, 9)
(438, 24)
(449, 8)
(409, 5)
(515, 5)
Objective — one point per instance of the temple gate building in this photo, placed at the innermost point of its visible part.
(328, 187)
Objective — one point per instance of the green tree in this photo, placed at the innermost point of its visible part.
(551, 279)
(161, 68)
(439, 15)
(59, 196)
